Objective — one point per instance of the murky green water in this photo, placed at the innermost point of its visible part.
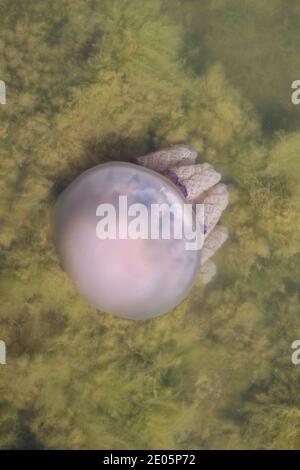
(89, 81)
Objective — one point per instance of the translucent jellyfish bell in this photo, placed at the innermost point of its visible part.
(133, 278)
(139, 277)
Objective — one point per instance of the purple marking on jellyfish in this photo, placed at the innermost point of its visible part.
(173, 177)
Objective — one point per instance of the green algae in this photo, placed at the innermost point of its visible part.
(100, 80)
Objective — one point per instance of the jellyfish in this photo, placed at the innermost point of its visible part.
(140, 276)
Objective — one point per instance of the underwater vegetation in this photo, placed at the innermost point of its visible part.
(91, 81)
